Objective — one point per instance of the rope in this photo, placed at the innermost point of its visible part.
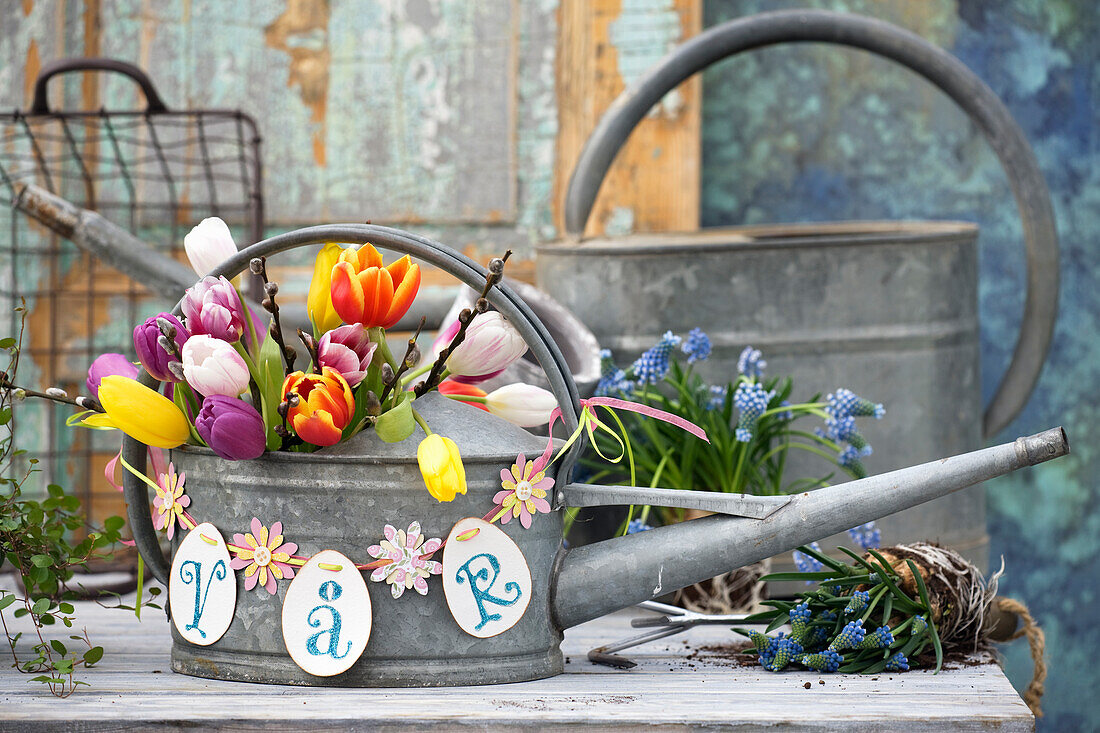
(1037, 641)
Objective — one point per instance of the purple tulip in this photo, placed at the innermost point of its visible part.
(213, 307)
(105, 365)
(151, 354)
(231, 427)
(348, 350)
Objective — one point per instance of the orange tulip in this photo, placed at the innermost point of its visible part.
(325, 405)
(363, 291)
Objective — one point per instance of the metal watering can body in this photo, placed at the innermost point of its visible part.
(341, 498)
(888, 309)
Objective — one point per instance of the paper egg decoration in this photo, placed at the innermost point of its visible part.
(326, 615)
(485, 578)
(202, 592)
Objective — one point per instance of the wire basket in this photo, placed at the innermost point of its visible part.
(155, 172)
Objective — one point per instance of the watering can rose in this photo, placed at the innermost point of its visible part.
(363, 291)
(325, 405)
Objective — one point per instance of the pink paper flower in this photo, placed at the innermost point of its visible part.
(407, 552)
(267, 557)
(170, 502)
(525, 487)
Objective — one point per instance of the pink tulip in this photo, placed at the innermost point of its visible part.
(347, 349)
(211, 366)
(213, 307)
(523, 404)
(491, 344)
(107, 364)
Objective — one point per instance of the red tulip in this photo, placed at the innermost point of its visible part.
(325, 405)
(363, 291)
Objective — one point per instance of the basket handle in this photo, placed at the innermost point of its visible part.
(41, 103)
(503, 298)
(945, 71)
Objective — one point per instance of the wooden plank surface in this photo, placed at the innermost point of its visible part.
(684, 681)
(603, 47)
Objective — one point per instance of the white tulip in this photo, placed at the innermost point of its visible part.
(209, 244)
(523, 404)
(212, 366)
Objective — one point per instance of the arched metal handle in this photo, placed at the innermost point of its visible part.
(503, 298)
(41, 104)
(910, 50)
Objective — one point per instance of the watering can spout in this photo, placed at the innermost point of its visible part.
(606, 576)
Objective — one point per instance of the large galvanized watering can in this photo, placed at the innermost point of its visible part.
(340, 498)
(887, 309)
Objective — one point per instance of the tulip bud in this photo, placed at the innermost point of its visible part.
(441, 466)
(348, 350)
(232, 428)
(523, 404)
(106, 364)
(212, 367)
(151, 351)
(209, 244)
(491, 344)
(213, 307)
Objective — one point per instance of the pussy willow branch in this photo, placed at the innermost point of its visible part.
(495, 275)
(412, 356)
(258, 265)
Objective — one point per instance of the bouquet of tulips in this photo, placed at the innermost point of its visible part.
(230, 380)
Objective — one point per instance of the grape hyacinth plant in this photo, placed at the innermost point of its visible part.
(858, 620)
(751, 420)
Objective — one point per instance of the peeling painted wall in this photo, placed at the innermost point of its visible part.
(815, 133)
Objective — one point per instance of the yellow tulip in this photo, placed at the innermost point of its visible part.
(140, 412)
(442, 467)
(319, 301)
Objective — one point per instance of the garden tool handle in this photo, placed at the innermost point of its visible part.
(503, 298)
(41, 104)
(945, 71)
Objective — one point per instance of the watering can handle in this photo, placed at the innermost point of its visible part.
(503, 298)
(41, 104)
(910, 50)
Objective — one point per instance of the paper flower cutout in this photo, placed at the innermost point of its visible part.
(525, 487)
(408, 566)
(265, 561)
(170, 502)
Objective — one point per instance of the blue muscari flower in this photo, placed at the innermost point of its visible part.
(786, 416)
(919, 625)
(652, 366)
(751, 363)
(800, 620)
(613, 380)
(881, 638)
(826, 661)
(843, 429)
(816, 637)
(897, 663)
(858, 602)
(846, 403)
(850, 458)
(637, 525)
(786, 651)
(717, 397)
(696, 346)
(866, 536)
(805, 563)
(751, 400)
(851, 635)
(764, 644)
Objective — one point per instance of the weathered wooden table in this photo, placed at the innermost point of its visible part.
(681, 682)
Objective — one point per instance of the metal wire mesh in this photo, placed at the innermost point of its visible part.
(154, 173)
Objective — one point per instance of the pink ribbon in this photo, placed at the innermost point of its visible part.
(617, 404)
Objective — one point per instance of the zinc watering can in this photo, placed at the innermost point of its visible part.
(887, 309)
(341, 497)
